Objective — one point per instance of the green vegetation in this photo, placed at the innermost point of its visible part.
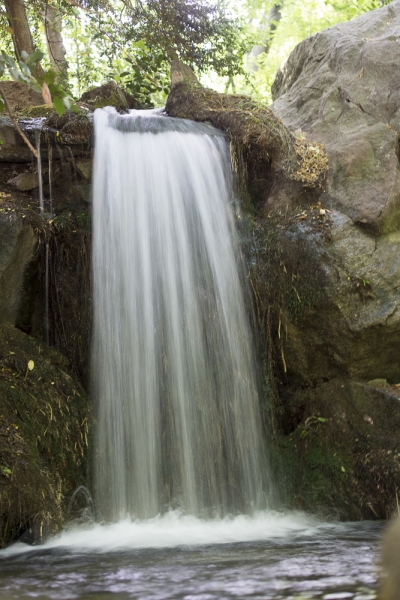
(133, 42)
(279, 25)
(130, 42)
(43, 435)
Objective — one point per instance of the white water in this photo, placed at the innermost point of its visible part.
(178, 417)
(173, 529)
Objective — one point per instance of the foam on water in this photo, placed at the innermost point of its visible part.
(173, 529)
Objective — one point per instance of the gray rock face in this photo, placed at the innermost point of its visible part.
(19, 96)
(25, 181)
(342, 87)
(12, 147)
(341, 291)
(327, 284)
(18, 247)
(72, 133)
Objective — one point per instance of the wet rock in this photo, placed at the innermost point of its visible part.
(19, 245)
(74, 132)
(85, 168)
(25, 181)
(12, 147)
(70, 129)
(345, 450)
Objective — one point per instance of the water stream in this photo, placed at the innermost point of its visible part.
(175, 382)
(267, 556)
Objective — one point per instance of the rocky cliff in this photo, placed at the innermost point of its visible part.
(330, 273)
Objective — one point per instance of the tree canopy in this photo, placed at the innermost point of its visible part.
(134, 41)
(85, 42)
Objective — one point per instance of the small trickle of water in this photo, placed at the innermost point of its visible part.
(179, 423)
(46, 297)
(41, 204)
(40, 174)
(50, 151)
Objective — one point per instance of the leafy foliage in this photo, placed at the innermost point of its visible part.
(52, 92)
(134, 42)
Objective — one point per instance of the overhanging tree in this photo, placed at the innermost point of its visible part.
(135, 41)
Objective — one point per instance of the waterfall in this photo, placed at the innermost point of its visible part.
(178, 422)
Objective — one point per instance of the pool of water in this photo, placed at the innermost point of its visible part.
(171, 557)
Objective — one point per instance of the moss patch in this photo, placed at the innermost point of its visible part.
(43, 435)
(345, 445)
(37, 111)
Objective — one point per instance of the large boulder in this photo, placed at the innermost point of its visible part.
(326, 274)
(109, 94)
(341, 86)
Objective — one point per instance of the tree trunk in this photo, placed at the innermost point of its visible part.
(251, 127)
(55, 44)
(21, 34)
(268, 28)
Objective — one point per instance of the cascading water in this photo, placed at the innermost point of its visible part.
(178, 418)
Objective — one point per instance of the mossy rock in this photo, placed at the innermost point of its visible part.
(341, 453)
(38, 111)
(109, 94)
(44, 435)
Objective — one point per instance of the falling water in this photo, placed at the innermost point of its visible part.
(40, 174)
(41, 205)
(50, 152)
(178, 418)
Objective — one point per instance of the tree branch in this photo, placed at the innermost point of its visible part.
(21, 133)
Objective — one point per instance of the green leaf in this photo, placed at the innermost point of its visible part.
(15, 74)
(24, 68)
(75, 108)
(59, 105)
(50, 77)
(322, 420)
(10, 62)
(34, 57)
(6, 470)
